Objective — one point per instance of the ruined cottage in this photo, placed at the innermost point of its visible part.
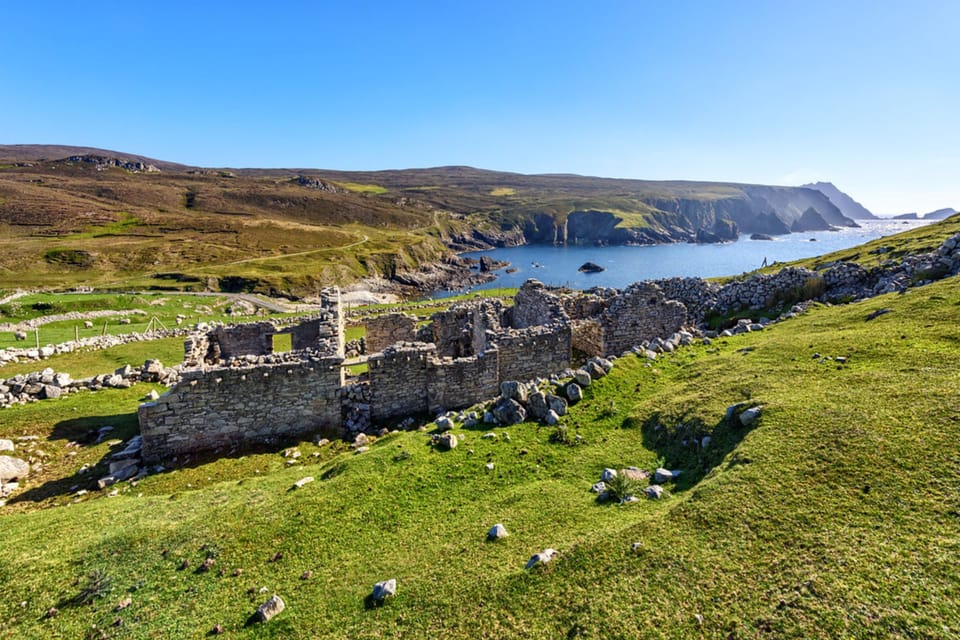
(237, 389)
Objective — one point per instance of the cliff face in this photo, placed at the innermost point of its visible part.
(755, 209)
(850, 207)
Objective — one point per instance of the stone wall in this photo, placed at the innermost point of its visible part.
(398, 380)
(461, 382)
(389, 329)
(587, 337)
(640, 313)
(229, 407)
(698, 295)
(254, 338)
(465, 328)
(534, 352)
(535, 305)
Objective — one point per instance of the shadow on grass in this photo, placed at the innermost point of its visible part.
(677, 441)
(85, 432)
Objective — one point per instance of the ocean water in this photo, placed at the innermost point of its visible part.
(624, 265)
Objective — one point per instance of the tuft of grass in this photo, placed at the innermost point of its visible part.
(622, 487)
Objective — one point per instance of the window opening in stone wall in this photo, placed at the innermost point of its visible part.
(282, 342)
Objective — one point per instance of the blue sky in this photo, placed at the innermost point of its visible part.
(865, 94)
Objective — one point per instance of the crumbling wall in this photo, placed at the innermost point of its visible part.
(534, 352)
(255, 338)
(388, 329)
(535, 305)
(461, 382)
(640, 313)
(586, 336)
(398, 380)
(323, 331)
(229, 407)
(697, 294)
(584, 306)
(465, 328)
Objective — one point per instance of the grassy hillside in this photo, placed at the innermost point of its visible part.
(835, 516)
(66, 223)
(84, 221)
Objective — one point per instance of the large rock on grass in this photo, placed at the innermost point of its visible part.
(269, 609)
(508, 412)
(13, 469)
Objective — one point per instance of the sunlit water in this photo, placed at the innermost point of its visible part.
(624, 265)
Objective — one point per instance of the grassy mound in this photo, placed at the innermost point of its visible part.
(835, 515)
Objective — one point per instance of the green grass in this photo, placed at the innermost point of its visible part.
(81, 364)
(835, 516)
(163, 306)
(357, 187)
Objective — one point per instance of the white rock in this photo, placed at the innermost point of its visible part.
(385, 589)
(654, 492)
(599, 487)
(497, 531)
(608, 474)
(489, 466)
(299, 484)
(543, 557)
(269, 609)
(662, 475)
(6, 445)
(13, 469)
(750, 416)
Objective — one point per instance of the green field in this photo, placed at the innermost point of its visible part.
(835, 516)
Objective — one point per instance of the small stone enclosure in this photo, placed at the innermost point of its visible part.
(235, 390)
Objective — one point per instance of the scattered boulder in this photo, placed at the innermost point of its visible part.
(302, 482)
(552, 418)
(634, 473)
(537, 405)
(582, 378)
(448, 441)
(6, 445)
(13, 469)
(574, 392)
(514, 391)
(654, 492)
(599, 487)
(608, 474)
(508, 411)
(497, 532)
(444, 423)
(557, 404)
(543, 557)
(750, 416)
(383, 590)
(662, 475)
(269, 609)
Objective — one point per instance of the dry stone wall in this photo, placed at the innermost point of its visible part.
(389, 329)
(461, 382)
(640, 313)
(535, 305)
(228, 407)
(534, 352)
(398, 380)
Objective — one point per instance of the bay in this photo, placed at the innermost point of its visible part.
(557, 265)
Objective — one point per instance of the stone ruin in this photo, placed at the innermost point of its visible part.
(237, 390)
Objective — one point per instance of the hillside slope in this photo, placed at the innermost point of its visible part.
(89, 216)
(834, 516)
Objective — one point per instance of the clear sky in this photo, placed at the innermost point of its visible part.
(865, 94)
